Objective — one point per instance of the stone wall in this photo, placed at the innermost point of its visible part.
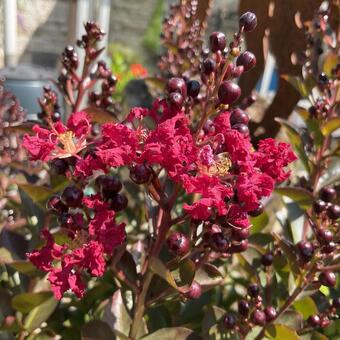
(44, 25)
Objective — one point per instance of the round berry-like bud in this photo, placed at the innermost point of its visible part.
(55, 205)
(329, 248)
(119, 202)
(240, 234)
(209, 127)
(228, 92)
(56, 116)
(176, 100)
(267, 259)
(336, 303)
(243, 308)
(306, 250)
(258, 317)
(178, 244)
(258, 211)
(241, 128)
(219, 242)
(333, 212)
(248, 21)
(193, 87)
(239, 248)
(217, 41)
(323, 78)
(324, 236)
(314, 320)
(270, 313)
(177, 85)
(140, 173)
(239, 116)
(253, 290)
(325, 322)
(66, 220)
(195, 291)
(229, 321)
(328, 194)
(327, 278)
(108, 185)
(319, 206)
(208, 66)
(72, 196)
(247, 60)
(59, 166)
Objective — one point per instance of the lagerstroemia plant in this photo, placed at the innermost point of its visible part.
(159, 206)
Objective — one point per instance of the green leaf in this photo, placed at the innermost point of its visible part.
(259, 222)
(187, 272)
(296, 140)
(39, 314)
(116, 314)
(37, 193)
(97, 330)
(301, 196)
(318, 336)
(314, 127)
(280, 332)
(330, 126)
(100, 116)
(178, 333)
(212, 315)
(304, 114)
(25, 267)
(324, 290)
(118, 318)
(158, 268)
(25, 302)
(290, 252)
(5, 255)
(155, 84)
(25, 127)
(306, 306)
(298, 84)
(208, 275)
(291, 319)
(329, 63)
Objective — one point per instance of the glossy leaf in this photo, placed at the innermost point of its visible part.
(40, 314)
(290, 252)
(25, 267)
(301, 196)
(329, 63)
(259, 223)
(212, 315)
(208, 275)
(306, 306)
(298, 84)
(187, 272)
(158, 268)
(291, 319)
(37, 193)
(330, 126)
(25, 302)
(97, 330)
(98, 115)
(178, 333)
(279, 332)
(5, 255)
(295, 139)
(116, 314)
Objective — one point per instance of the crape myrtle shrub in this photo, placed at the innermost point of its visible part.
(155, 223)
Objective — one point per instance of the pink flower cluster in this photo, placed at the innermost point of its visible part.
(218, 164)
